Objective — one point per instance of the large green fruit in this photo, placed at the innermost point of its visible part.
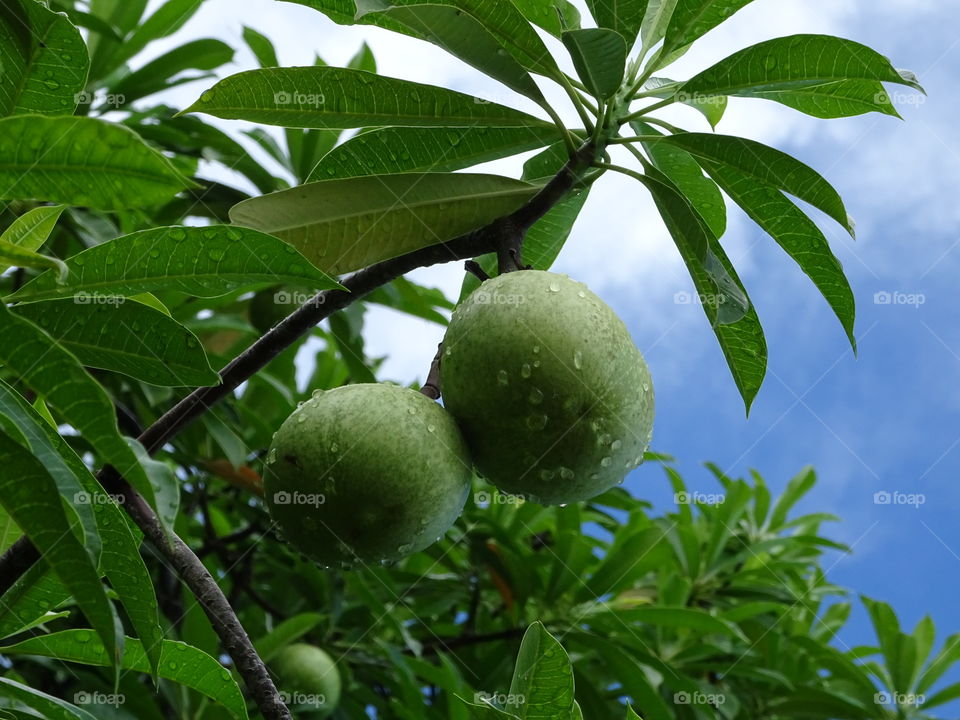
(307, 678)
(366, 473)
(554, 398)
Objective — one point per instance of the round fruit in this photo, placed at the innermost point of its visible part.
(366, 473)
(552, 395)
(307, 677)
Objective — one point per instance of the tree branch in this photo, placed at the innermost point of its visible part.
(493, 237)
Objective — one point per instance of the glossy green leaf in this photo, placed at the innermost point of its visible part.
(201, 261)
(599, 56)
(82, 161)
(49, 707)
(120, 558)
(554, 16)
(462, 35)
(343, 225)
(168, 69)
(712, 107)
(623, 16)
(737, 328)
(261, 46)
(58, 377)
(179, 662)
(43, 59)
(797, 234)
(126, 337)
(543, 677)
(678, 165)
(692, 19)
(344, 12)
(828, 100)
(30, 495)
(166, 20)
(656, 19)
(783, 63)
(698, 621)
(31, 230)
(18, 256)
(330, 97)
(395, 150)
(798, 486)
(945, 659)
(30, 598)
(768, 166)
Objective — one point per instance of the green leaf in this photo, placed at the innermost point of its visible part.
(712, 107)
(343, 225)
(798, 486)
(462, 35)
(600, 57)
(261, 46)
(737, 329)
(30, 598)
(168, 18)
(31, 230)
(396, 150)
(82, 161)
(671, 617)
(201, 261)
(554, 16)
(678, 165)
(120, 558)
(828, 100)
(768, 166)
(167, 70)
(543, 677)
(51, 708)
(632, 715)
(44, 61)
(290, 630)
(656, 19)
(784, 63)
(948, 694)
(943, 661)
(797, 234)
(55, 374)
(179, 662)
(340, 98)
(694, 18)
(623, 16)
(30, 495)
(126, 337)
(17, 256)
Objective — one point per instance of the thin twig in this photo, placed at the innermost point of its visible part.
(431, 388)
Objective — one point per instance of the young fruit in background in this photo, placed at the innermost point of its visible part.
(307, 678)
(365, 474)
(552, 395)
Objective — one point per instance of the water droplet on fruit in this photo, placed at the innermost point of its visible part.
(578, 360)
(615, 445)
(581, 294)
(316, 394)
(404, 549)
(605, 462)
(536, 363)
(334, 448)
(536, 349)
(525, 370)
(567, 474)
(431, 428)
(536, 396)
(301, 418)
(503, 378)
(546, 475)
(554, 287)
(272, 456)
(646, 387)
(537, 421)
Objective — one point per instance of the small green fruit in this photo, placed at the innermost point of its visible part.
(554, 398)
(366, 473)
(307, 678)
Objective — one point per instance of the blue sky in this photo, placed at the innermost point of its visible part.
(886, 421)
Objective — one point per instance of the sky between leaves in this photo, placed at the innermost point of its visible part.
(888, 422)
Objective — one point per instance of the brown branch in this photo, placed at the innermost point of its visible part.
(500, 235)
(431, 388)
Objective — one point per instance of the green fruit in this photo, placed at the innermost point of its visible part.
(552, 395)
(366, 473)
(307, 678)
(270, 306)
